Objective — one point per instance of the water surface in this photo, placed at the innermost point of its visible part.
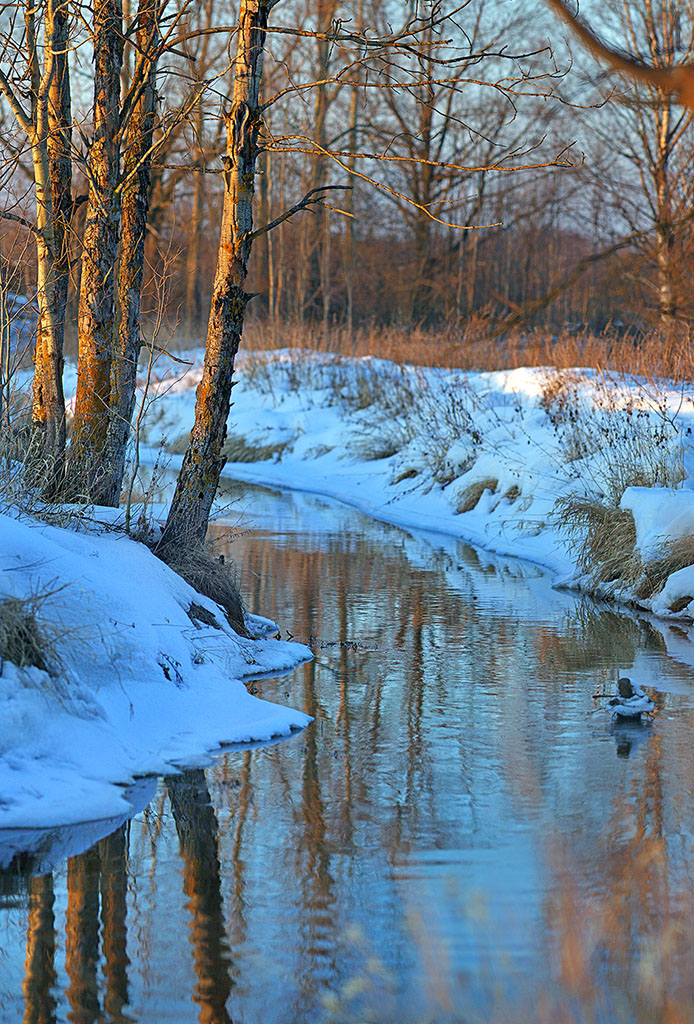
(460, 835)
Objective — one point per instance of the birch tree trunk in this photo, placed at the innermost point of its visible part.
(136, 175)
(49, 134)
(88, 448)
(197, 482)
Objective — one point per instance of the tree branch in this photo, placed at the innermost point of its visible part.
(302, 205)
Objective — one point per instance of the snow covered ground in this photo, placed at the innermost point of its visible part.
(488, 457)
(588, 475)
(131, 684)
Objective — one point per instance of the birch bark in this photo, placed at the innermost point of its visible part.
(47, 128)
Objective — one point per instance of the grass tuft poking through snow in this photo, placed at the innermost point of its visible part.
(603, 537)
(677, 555)
(23, 640)
(470, 497)
(209, 575)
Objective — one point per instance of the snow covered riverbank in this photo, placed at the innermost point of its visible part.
(129, 680)
(587, 474)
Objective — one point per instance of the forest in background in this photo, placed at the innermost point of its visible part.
(432, 181)
(569, 189)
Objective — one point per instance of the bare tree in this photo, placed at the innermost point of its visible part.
(96, 320)
(197, 482)
(46, 126)
(137, 155)
(648, 138)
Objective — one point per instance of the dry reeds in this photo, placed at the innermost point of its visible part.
(470, 497)
(679, 554)
(209, 575)
(603, 537)
(475, 346)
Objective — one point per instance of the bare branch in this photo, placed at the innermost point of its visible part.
(679, 80)
(23, 119)
(5, 215)
(303, 204)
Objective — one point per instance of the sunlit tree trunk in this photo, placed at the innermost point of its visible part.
(86, 471)
(48, 131)
(137, 160)
(197, 482)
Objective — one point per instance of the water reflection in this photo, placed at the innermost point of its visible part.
(39, 967)
(196, 825)
(460, 834)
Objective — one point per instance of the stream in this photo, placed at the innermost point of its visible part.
(461, 835)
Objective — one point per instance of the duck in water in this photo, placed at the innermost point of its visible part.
(630, 701)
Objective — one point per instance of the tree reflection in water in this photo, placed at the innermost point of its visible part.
(458, 836)
(196, 825)
(39, 966)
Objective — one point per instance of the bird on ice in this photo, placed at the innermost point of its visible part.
(631, 701)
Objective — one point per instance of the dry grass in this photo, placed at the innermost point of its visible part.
(604, 538)
(474, 346)
(618, 438)
(210, 575)
(22, 640)
(678, 555)
(470, 497)
(559, 392)
(235, 449)
(382, 445)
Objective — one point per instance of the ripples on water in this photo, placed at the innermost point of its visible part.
(461, 835)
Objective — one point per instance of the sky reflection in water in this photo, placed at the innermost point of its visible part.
(460, 835)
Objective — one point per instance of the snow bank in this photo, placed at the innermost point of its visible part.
(480, 456)
(133, 685)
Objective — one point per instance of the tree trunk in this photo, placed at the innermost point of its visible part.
(197, 482)
(664, 233)
(87, 478)
(318, 286)
(193, 307)
(136, 170)
(50, 146)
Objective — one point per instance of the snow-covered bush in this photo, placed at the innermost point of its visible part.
(611, 437)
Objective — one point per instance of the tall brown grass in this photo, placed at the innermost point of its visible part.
(470, 346)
